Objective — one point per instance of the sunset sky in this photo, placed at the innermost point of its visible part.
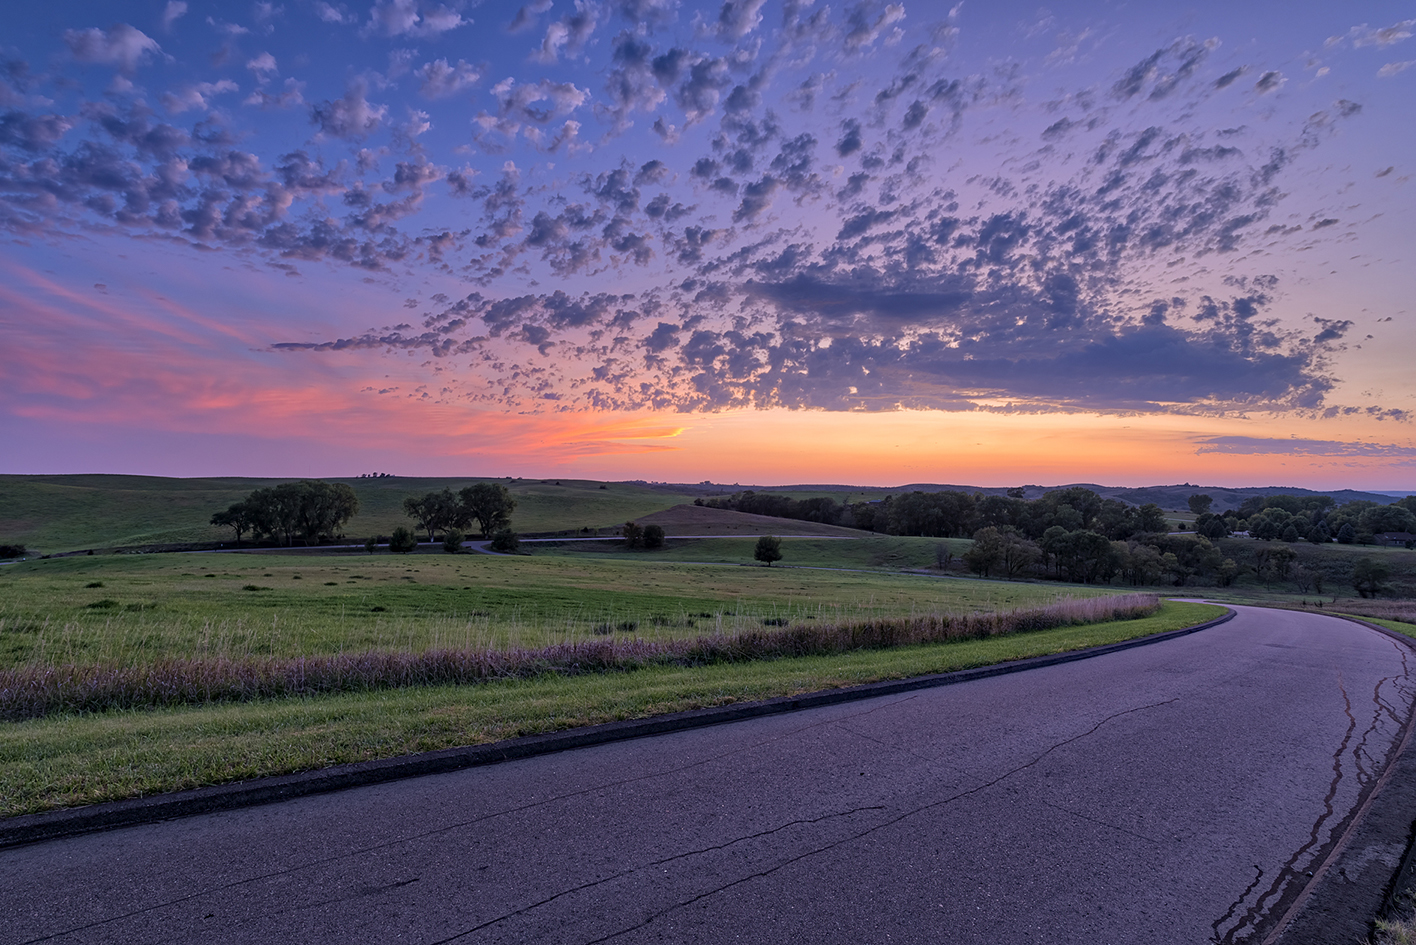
(765, 241)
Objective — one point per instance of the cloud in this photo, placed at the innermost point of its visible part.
(195, 96)
(411, 18)
(526, 16)
(437, 79)
(1394, 68)
(737, 18)
(569, 34)
(1383, 36)
(263, 66)
(352, 117)
(174, 11)
(123, 46)
(1294, 446)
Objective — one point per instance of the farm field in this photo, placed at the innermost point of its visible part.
(128, 609)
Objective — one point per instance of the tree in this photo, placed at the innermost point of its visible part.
(1200, 504)
(311, 508)
(402, 540)
(490, 505)
(1346, 535)
(633, 534)
(372, 544)
(769, 549)
(452, 540)
(237, 517)
(1369, 576)
(434, 511)
(653, 536)
(986, 552)
(1212, 526)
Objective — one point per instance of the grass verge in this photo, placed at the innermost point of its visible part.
(83, 759)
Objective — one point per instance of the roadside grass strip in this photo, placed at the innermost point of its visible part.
(35, 691)
(73, 759)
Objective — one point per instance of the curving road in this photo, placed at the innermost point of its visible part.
(1174, 793)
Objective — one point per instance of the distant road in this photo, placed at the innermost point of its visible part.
(1175, 793)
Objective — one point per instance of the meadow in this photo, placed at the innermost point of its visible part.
(127, 609)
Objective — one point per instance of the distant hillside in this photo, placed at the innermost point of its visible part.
(67, 513)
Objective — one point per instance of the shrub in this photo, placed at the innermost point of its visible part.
(402, 540)
(12, 551)
(372, 544)
(452, 540)
(653, 536)
(506, 541)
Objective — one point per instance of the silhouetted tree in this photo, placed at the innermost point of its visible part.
(769, 549)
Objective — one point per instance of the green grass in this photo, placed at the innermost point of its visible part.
(151, 607)
(51, 514)
(71, 760)
(878, 551)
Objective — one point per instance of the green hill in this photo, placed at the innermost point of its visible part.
(67, 513)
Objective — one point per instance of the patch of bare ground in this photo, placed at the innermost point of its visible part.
(701, 520)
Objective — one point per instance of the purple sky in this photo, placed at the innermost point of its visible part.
(870, 242)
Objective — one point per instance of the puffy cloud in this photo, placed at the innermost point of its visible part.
(411, 18)
(1394, 68)
(526, 16)
(351, 117)
(438, 79)
(123, 46)
(195, 96)
(866, 26)
(737, 18)
(263, 65)
(569, 34)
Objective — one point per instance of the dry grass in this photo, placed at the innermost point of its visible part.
(34, 691)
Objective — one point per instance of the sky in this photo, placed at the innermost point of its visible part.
(757, 241)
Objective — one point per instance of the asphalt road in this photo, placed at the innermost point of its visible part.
(1174, 793)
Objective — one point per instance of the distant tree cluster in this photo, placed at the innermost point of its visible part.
(488, 504)
(310, 510)
(376, 475)
(1318, 519)
(823, 509)
(12, 551)
(643, 536)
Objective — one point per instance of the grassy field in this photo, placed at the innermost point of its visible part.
(51, 514)
(887, 552)
(80, 759)
(128, 609)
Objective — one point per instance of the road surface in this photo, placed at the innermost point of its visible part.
(1173, 793)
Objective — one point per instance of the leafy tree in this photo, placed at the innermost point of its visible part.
(490, 505)
(237, 517)
(653, 536)
(769, 549)
(452, 540)
(372, 544)
(1369, 576)
(402, 540)
(986, 552)
(633, 534)
(1290, 534)
(506, 541)
(311, 508)
(1346, 535)
(1319, 535)
(1200, 504)
(1212, 526)
(1386, 518)
(434, 511)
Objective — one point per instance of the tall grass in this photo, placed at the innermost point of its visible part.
(1399, 610)
(34, 691)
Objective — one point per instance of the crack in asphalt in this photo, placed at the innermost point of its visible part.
(880, 826)
(887, 702)
(1234, 906)
(1100, 823)
(652, 863)
(1366, 769)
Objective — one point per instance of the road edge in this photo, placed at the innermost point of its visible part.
(76, 821)
(1343, 893)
